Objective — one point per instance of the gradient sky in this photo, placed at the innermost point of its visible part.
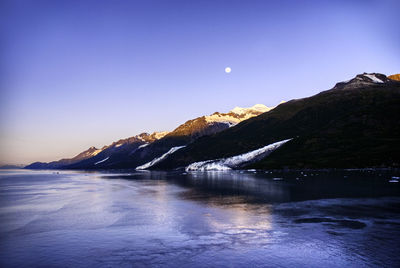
(75, 74)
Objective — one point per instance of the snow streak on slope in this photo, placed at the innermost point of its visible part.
(159, 159)
(373, 78)
(101, 161)
(143, 145)
(235, 161)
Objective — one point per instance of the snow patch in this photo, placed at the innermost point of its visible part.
(258, 107)
(101, 161)
(238, 114)
(143, 145)
(159, 159)
(235, 161)
(224, 118)
(373, 78)
(230, 124)
(96, 152)
(159, 135)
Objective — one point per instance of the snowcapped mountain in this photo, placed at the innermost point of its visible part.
(353, 125)
(237, 114)
(188, 132)
(210, 124)
(363, 80)
(260, 108)
(158, 135)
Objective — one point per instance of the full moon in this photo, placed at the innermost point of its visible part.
(228, 70)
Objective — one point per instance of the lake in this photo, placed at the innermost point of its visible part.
(215, 219)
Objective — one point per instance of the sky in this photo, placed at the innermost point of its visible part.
(75, 74)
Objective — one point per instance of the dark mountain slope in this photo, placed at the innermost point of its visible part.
(92, 158)
(111, 155)
(355, 124)
(184, 134)
(192, 130)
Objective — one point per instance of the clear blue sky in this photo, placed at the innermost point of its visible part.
(81, 73)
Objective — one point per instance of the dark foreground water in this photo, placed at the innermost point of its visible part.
(234, 219)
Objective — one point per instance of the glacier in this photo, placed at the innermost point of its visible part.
(235, 161)
(159, 159)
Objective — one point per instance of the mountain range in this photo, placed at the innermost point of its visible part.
(142, 148)
(355, 124)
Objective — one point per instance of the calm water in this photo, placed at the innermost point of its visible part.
(234, 219)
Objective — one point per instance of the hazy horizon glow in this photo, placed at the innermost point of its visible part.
(76, 74)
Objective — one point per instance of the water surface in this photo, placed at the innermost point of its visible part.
(215, 219)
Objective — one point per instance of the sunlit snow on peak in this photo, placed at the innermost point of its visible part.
(258, 107)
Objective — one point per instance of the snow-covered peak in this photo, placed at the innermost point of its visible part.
(159, 135)
(96, 152)
(238, 110)
(258, 107)
(238, 114)
(92, 151)
(362, 80)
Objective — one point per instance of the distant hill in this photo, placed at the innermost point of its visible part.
(11, 166)
(92, 151)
